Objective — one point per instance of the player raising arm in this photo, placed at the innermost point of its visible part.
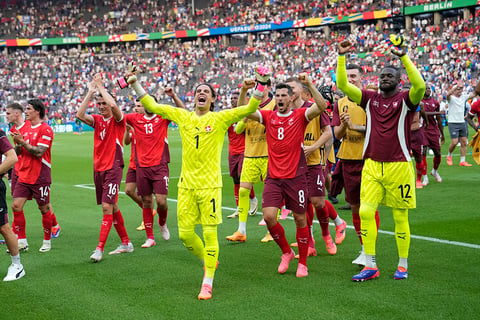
(286, 176)
(200, 185)
(387, 177)
(109, 128)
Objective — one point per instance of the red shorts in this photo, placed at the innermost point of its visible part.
(107, 184)
(316, 181)
(293, 191)
(235, 163)
(352, 177)
(39, 191)
(131, 176)
(152, 179)
(417, 141)
(432, 139)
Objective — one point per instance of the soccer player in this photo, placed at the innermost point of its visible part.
(387, 177)
(286, 177)
(317, 134)
(349, 124)
(474, 110)
(109, 128)
(151, 161)
(433, 134)
(456, 99)
(255, 161)
(34, 172)
(236, 150)
(14, 115)
(200, 184)
(416, 145)
(15, 271)
(131, 177)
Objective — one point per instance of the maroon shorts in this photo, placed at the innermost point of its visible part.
(131, 176)
(316, 181)
(3, 203)
(352, 177)
(417, 141)
(39, 191)
(337, 180)
(235, 163)
(432, 139)
(107, 184)
(152, 179)
(293, 191)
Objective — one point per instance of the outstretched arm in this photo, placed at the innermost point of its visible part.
(82, 110)
(417, 90)
(320, 105)
(354, 93)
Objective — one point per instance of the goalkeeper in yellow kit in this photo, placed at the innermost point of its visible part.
(200, 185)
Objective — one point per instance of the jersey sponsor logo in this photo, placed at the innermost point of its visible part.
(309, 136)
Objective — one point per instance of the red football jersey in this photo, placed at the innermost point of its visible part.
(475, 109)
(133, 142)
(22, 129)
(236, 142)
(107, 142)
(36, 169)
(284, 134)
(151, 138)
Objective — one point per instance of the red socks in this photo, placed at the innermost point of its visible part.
(19, 222)
(119, 225)
(105, 230)
(236, 190)
(302, 241)
(47, 225)
(278, 234)
(162, 216)
(148, 221)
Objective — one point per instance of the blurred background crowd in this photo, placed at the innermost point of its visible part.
(59, 75)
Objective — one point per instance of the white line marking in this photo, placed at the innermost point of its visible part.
(452, 243)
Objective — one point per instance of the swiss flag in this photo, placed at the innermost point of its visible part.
(208, 129)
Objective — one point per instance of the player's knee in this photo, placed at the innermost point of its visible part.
(367, 211)
(243, 192)
(186, 235)
(17, 207)
(400, 215)
(210, 234)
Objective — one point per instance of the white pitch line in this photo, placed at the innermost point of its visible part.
(436, 240)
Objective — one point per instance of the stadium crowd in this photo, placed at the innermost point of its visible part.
(33, 19)
(59, 77)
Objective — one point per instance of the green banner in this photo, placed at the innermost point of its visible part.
(438, 6)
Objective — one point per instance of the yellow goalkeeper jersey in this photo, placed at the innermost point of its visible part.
(202, 140)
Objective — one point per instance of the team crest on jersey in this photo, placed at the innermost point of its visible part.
(375, 103)
(208, 129)
(290, 122)
(395, 104)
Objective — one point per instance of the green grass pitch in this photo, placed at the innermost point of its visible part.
(163, 282)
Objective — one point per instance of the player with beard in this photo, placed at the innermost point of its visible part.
(388, 176)
(286, 177)
(200, 185)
